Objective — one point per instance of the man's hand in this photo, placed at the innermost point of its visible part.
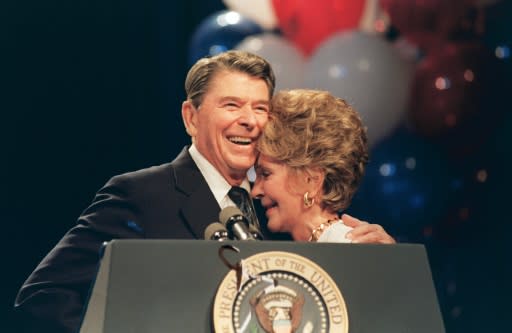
(365, 232)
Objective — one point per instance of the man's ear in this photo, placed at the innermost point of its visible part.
(189, 116)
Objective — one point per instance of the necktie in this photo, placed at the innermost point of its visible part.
(241, 198)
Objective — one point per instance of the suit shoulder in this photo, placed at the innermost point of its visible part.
(149, 174)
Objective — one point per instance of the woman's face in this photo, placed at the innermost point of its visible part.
(275, 186)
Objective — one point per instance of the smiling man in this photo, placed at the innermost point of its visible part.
(228, 100)
(224, 126)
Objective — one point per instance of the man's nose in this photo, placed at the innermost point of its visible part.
(248, 117)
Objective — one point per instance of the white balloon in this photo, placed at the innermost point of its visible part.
(286, 60)
(369, 73)
(260, 11)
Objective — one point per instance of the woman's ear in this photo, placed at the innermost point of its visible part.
(189, 116)
(314, 181)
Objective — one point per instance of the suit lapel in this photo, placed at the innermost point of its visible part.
(199, 208)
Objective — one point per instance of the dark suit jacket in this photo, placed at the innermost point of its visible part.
(168, 201)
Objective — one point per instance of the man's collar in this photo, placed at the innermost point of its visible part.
(217, 183)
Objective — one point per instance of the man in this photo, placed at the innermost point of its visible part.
(227, 106)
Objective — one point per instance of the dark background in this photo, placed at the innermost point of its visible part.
(91, 89)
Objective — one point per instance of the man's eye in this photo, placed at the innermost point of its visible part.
(262, 109)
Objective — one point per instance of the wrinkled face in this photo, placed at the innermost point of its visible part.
(274, 186)
(228, 122)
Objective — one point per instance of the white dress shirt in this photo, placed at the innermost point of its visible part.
(216, 182)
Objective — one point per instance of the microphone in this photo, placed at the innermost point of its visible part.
(216, 231)
(236, 224)
(255, 232)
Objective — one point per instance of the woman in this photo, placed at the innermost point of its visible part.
(313, 153)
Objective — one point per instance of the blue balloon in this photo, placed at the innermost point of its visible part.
(406, 188)
(220, 32)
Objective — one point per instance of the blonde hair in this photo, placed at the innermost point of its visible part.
(311, 129)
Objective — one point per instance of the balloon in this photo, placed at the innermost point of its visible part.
(455, 98)
(285, 58)
(220, 32)
(308, 23)
(406, 185)
(438, 17)
(260, 11)
(369, 73)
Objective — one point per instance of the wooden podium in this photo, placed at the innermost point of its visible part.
(170, 285)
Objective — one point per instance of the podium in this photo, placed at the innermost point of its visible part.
(173, 285)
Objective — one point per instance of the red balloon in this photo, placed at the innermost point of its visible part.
(452, 98)
(308, 22)
(414, 18)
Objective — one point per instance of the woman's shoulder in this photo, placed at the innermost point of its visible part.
(335, 233)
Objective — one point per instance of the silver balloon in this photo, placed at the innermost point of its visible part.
(369, 73)
(285, 58)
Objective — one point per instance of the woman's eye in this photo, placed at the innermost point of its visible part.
(262, 174)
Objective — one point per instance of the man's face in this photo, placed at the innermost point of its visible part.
(228, 122)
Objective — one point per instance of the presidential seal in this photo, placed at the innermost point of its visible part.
(279, 292)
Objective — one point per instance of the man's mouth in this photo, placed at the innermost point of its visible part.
(239, 140)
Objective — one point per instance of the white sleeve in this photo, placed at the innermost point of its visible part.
(335, 233)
